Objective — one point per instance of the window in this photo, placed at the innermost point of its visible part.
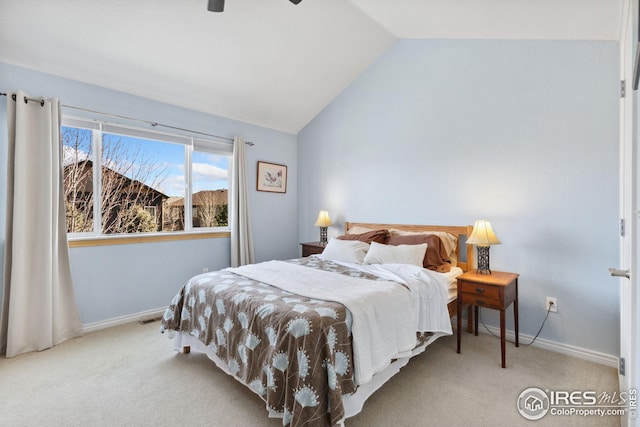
(209, 205)
(78, 179)
(151, 210)
(142, 181)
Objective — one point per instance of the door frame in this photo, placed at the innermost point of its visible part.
(629, 212)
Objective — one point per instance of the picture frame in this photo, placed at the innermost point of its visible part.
(272, 177)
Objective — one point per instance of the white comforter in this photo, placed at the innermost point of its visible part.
(385, 315)
(429, 290)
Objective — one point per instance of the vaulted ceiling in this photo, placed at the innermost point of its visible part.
(267, 62)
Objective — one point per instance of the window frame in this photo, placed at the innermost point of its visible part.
(190, 144)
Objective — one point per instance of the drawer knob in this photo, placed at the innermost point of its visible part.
(479, 290)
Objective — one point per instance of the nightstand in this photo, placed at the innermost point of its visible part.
(311, 248)
(496, 291)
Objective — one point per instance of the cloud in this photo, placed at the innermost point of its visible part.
(70, 155)
(204, 171)
(209, 177)
(173, 186)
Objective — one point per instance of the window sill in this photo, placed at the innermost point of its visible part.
(81, 242)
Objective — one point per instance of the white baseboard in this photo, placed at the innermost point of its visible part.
(116, 321)
(569, 350)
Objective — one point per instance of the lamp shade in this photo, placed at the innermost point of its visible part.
(323, 219)
(482, 234)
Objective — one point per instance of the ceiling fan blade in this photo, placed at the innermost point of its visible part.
(216, 6)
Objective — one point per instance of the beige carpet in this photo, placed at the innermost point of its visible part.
(130, 376)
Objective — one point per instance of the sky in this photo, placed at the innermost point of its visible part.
(159, 165)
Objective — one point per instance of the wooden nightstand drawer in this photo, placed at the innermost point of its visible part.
(481, 301)
(479, 289)
(496, 291)
(312, 248)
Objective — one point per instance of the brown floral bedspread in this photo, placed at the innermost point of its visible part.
(294, 352)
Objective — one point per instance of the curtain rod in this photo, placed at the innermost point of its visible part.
(26, 98)
(154, 124)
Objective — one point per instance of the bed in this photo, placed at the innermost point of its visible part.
(314, 337)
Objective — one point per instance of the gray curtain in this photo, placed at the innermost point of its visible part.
(39, 307)
(241, 241)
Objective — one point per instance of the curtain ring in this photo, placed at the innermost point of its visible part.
(25, 100)
(13, 96)
(42, 102)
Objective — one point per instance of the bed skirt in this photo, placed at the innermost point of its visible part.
(353, 403)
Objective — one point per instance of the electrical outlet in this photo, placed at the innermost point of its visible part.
(554, 304)
(205, 270)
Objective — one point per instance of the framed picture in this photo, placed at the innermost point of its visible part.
(272, 177)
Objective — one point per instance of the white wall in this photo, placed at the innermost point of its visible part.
(113, 281)
(524, 133)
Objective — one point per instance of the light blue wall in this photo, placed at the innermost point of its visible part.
(443, 132)
(524, 133)
(121, 280)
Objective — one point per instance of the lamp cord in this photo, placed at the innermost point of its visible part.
(534, 338)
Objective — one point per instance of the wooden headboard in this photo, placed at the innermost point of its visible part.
(459, 231)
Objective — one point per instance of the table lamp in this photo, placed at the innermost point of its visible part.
(483, 237)
(323, 222)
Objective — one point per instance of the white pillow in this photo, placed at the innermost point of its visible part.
(345, 251)
(400, 254)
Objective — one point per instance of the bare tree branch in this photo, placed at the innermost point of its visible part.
(129, 199)
(129, 178)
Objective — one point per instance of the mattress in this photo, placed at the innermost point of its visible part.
(452, 290)
(293, 350)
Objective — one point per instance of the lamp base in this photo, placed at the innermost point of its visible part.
(483, 260)
(323, 235)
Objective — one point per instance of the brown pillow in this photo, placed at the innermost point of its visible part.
(378, 236)
(435, 258)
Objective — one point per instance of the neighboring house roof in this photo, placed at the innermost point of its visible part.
(175, 201)
(128, 182)
(203, 198)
